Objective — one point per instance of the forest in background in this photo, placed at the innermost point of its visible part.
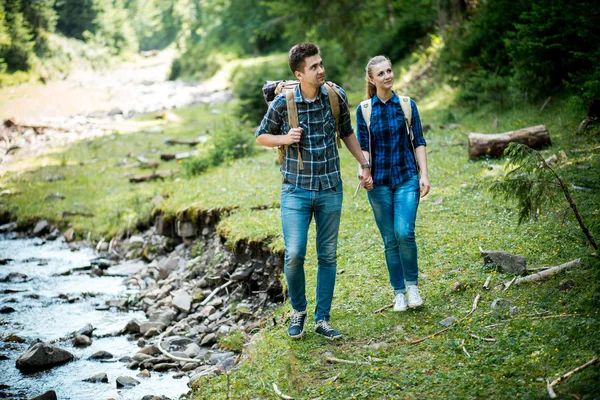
(495, 52)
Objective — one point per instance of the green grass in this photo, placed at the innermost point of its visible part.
(457, 218)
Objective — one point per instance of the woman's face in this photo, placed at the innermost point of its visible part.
(382, 76)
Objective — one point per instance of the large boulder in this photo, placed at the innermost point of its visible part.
(42, 356)
(49, 395)
(514, 264)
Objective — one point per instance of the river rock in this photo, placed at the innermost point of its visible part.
(136, 242)
(132, 326)
(69, 235)
(153, 397)
(165, 366)
(146, 326)
(87, 330)
(98, 378)
(15, 277)
(242, 272)
(182, 300)
(81, 341)
(126, 382)
(41, 356)
(40, 227)
(208, 339)
(178, 341)
(448, 321)
(152, 332)
(101, 355)
(11, 226)
(7, 310)
(167, 266)
(500, 304)
(144, 374)
(457, 286)
(192, 350)
(49, 395)
(141, 357)
(163, 316)
(505, 262)
(224, 360)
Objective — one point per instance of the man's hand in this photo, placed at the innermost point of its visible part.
(366, 178)
(293, 136)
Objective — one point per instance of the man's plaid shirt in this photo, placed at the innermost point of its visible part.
(318, 143)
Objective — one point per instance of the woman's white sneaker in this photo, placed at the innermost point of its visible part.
(414, 299)
(400, 302)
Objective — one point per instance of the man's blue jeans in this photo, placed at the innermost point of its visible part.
(395, 211)
(297, 209)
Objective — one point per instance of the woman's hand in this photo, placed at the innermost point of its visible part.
(424, 184)
(366, 178)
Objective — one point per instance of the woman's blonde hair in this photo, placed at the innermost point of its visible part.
(371, 89)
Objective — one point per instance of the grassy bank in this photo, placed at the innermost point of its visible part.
(457, 218)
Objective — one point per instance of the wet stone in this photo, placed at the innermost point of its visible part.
(81, 341)
(49, 395)
(126, 382)
(41, 356)
(98, 378)
(448, 321)
(101, 355)
(7, 310)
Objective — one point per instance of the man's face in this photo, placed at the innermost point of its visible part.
(314, 72)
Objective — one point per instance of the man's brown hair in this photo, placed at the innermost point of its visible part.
(298, 54)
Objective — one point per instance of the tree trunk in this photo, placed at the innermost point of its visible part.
(481, 144)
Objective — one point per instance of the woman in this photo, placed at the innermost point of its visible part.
(394, 184)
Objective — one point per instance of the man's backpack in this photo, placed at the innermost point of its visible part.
(272, 88)
(365, 107)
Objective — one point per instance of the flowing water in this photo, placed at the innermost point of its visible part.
(50, 306)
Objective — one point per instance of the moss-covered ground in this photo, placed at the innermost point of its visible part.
(457, 218)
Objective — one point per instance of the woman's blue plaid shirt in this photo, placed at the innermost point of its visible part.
(393, 159)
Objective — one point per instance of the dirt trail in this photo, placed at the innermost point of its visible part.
(90, 103)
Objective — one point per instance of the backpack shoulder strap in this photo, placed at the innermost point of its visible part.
(407, 110)
(292, 110)
(334, 96)
(365, 108)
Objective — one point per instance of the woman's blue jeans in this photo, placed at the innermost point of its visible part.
(298, 206)
(395, 211)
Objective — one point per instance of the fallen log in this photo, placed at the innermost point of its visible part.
(191, 142)
(548, 272)
(481, 144)
(150, 177)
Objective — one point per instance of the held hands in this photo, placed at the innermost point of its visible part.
(424, 184)
(365, 177)
(293, 136)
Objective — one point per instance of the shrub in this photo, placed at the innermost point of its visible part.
(248, 82)
(230, 142)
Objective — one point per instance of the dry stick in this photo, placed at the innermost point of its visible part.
(430, 336)
(339, 360)
(509, 284)
(334, 378)
(383, 308)
(462, 344)
(565, 190)
(486, 285)
(473, 308)
(550, 386)
(283, 396)
(484, 339)
(214, 292)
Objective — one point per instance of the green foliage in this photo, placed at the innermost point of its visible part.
(17, 49)
(197, 63)
(229, 142)
(233, 341)
(248, 81)
(530, 182)
(102, 22)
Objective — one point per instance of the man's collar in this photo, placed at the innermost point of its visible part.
(298, 93)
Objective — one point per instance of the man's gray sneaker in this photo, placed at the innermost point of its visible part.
(296, 326)
(325, 330)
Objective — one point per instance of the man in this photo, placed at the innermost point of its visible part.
(312, 185)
